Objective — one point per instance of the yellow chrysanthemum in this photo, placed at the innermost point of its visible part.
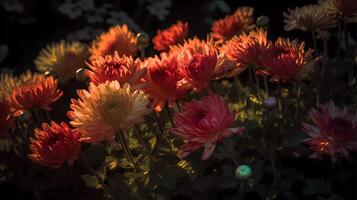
(106, 109)
(63, 59)
(309, 17)
(118, 38)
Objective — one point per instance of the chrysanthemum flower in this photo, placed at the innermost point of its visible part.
(245, 49)
(334, 131)
(197, 62)
(175, 34)
(309, 17)
(123, 69)
(8, 82)
(55, 145)
(340, 9)
(106, 109)
(204, 123)
(240, 21)
(163, 80)
(6, 121)
(62, 58)
(40, 92)
(118, 38)
(286, 60)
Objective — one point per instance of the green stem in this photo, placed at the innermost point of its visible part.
(266, 85)
(169, 113)
(318, 73)
(138, 134)
(339, 38)
(126, 149)
(94, 173)
(257, 84)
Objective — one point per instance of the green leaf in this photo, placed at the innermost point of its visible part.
(91, 181)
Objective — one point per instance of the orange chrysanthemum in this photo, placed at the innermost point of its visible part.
(55, 145)
(117, 38)
(163, 81)
(340, 9)
(175, 34)
(40, 92)
(106, 109)
(244, 49)
(286, 60)
(123, 69)
(240, 21)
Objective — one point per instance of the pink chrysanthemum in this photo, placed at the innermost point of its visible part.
(333, 133)
(55, 145)
(204, 123)
(175, 34)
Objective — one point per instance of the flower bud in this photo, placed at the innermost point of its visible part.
(143, 40)
(270, 102)
(263, 21)
(243, 172)
(25, 116)
(81, 74)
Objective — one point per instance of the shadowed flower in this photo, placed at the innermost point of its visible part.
(118, 38)
(106, 109)
(38, 93)
(123, 69)
(55, 145)
(175, 34)
(163, 81)
(197, 62)
(204, 123)
(286, 60)
(245, 49)
(6, 121)
(334, 131)
(8, 82)
(340, 9)
(309, 17)
(63, 59)
(240, 21)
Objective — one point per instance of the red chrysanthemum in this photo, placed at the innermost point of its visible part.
(123, 69)
(163, 81)
(198, 61)
(40, 92)
(334, 131)
(6, 121)
(245, 49)
(240, 21)
(175, 34)
(55, 145)
(204, 123)
(118, 38)
(286, 60)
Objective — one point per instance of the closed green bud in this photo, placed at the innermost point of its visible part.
(243, 172)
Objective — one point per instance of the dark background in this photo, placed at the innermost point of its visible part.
(28, 25)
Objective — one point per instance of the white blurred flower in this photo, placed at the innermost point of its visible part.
(159, 8)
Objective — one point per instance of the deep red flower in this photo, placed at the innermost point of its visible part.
(286, 60)
(55, 145)
(163, 81)
(240, 21)
(175, 34)
(40, 92)
(334, 131)
(204, 123)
